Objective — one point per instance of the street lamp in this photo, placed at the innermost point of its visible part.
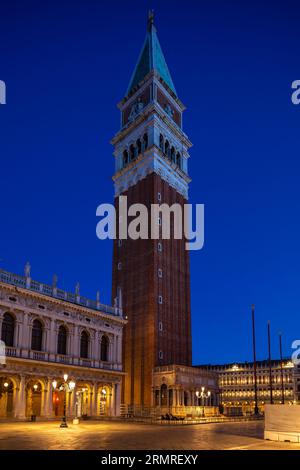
(64, 386)
(203, 395)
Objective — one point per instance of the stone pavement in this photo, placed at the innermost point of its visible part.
(105, 435)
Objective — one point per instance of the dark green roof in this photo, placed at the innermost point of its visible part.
(151, 58)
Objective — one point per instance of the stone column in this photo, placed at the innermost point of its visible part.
(72, 399)
(119, 349)
(48, 411)
(93, 346)
(51, 346)
(94, 400)
(117, 393)
(76, 344)
(20, 407)
(25, 336)
(90, 405)
(97, 345)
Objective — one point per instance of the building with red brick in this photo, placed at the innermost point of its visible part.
(151, 167)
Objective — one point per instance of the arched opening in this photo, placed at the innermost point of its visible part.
(104, 399)
(132, 152)
(84, 345)
(178, 159)
(62, 340)
(6, 397)
(173, 154)
(125, 158)
(37, 335)
(161, 142)
(167, 148)
(104, 348)
(58, 398)
(145, 141)
(8, 329)
(33, 398)
(139, 146)
(186, 399)
(164, 395)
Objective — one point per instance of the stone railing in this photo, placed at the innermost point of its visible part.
(43, 356)
(52, 291)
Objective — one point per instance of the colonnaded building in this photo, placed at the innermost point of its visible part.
(236, 384)
(48, 333)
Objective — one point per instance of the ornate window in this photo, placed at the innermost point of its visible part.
(132, 152)
(167, 147)
(37, 335)
(104, 348)
(125, 158)
(62, 340)
(163, 394)
(173, 154)
(8, 329)
(84, 345)
(145, 141)
(161, 142)
(178, 159)
(139, 146)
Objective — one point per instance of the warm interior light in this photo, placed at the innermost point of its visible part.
(35, 387)
(202, 389)
(208, 394)
(72, 385)
(54, 384)
(66, 377)
(197, 394)
(103, 391)
(5, 384)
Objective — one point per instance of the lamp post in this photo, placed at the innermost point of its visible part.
(65, 387)
(203, 395)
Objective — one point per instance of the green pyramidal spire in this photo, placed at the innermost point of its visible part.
(151, 58)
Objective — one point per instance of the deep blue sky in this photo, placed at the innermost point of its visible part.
(66, 65)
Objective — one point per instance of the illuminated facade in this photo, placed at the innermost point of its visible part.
(48, 333)
(236, 384)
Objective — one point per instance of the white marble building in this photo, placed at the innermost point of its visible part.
(49, 333)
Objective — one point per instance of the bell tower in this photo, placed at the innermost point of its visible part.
(151, 167)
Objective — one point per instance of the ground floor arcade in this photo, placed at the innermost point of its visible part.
(41, 390)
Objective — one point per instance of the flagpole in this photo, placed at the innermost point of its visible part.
(281, 368)
(254, 362)
(270, 364)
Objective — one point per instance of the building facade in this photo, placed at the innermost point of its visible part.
(297, 383)
(177, 389)
(236, 385)
(47, 333)
(151, 155)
